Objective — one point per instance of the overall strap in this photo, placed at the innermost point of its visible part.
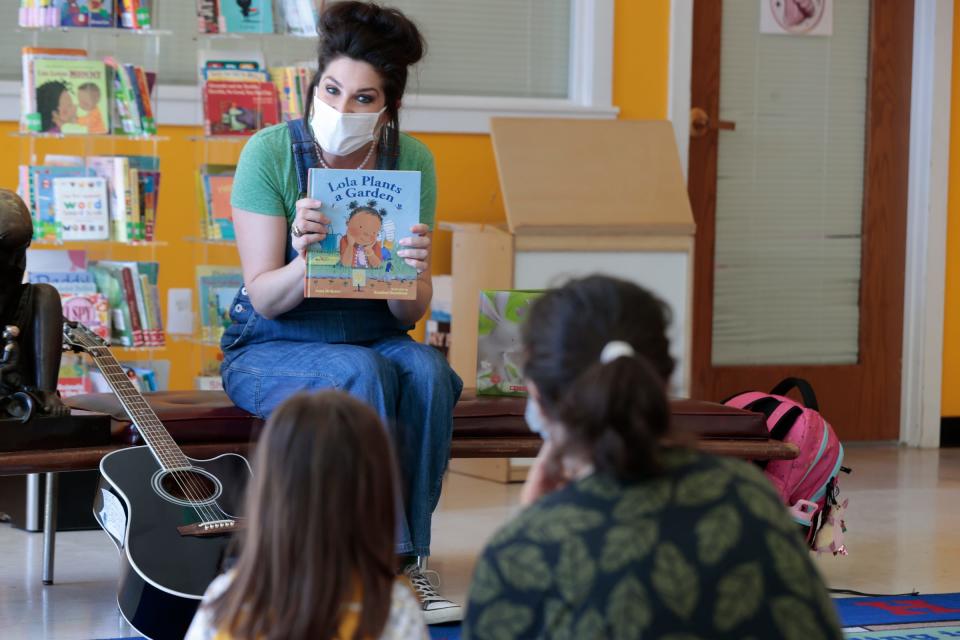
(304, 152)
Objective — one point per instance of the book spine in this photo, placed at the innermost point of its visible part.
(136, 220)
(147, 120)
(130, 293)
(158, 315)
(150, 330)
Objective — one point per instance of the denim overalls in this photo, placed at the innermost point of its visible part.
(357, 346)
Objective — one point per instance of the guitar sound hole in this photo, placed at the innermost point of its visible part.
(188, 486)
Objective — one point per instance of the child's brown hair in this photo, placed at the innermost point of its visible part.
(321, 524)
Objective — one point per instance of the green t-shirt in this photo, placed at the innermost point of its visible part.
(266, 178)
(705, 551)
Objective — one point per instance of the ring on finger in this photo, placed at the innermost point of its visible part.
(296, 231)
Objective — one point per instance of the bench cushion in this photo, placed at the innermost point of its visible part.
(209, 416)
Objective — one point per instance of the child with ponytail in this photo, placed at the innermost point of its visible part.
(624, 535)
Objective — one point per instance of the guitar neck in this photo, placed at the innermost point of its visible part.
(164, 447)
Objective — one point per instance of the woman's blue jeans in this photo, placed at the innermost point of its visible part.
(357, 347)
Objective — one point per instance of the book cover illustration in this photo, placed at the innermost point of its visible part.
(43, 202)
(71, 97)
(81, 208)
(92, 310)
(499, 348)
(239, 108)
(369, 212)
(217, 189)
(245, 16)
(75, 13)
(217, 286)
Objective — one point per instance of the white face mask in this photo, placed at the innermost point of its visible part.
(342, 133)
(535, 418)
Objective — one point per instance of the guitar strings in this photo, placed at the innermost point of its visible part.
(185, 479)
(186, 482)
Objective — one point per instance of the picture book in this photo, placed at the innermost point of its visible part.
(217, 190)
(207, 16)
(101, 12)
(217, 286)
(128, 111)
(42, 200)
(133, 14)
(38, 13)
(29, 118)
(110, 284)
(65, 282)
(245, 16)
(73, 379)
(90, 309)
(81, 208)
(116, 171)
(300, 16)
(499, 348)
(369, 212)
(74, 13)
(239, 108)
(71, 96)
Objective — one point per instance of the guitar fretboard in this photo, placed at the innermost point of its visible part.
(164, 447)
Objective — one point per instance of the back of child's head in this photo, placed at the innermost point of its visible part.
(320, 523)
(614, 409)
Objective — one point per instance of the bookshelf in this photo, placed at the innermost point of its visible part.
(73, 147)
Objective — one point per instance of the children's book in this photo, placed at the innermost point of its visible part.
(369, 212)
(300, 16)
(116, 171)
(61, 260)
(499, 347)
(239, 108)
(42, 200)
(101, 13)
(217, 189)
(110, 284)
(82, 208)
(206, 16)
(74, 13)
(90, 309)
(66, 282)
(71, 96)
(217, 286)
(29, 118)
(245, 16)
(73, 379)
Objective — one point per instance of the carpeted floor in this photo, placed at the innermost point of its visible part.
(905, 632)
(899, 610)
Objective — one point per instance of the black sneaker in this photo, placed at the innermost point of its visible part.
(436, 608)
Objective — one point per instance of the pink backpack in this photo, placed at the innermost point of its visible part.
(808, 483)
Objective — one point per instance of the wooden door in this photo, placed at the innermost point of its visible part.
(860, 397)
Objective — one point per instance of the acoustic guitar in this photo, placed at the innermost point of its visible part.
(170, 516)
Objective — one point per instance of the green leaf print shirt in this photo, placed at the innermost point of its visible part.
(704, 551)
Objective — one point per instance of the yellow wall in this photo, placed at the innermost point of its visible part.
(466, 171)
(950, 404)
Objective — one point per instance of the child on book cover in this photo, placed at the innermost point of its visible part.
(361, 248)
(56, 107)
(88, 97)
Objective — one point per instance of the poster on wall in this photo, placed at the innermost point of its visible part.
(797, 17)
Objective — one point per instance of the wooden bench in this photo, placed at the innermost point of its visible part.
(206, 424)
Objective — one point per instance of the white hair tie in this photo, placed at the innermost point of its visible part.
(616, 349)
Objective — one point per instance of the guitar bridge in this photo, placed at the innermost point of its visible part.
(215, 528)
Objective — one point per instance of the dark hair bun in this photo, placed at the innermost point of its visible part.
(390, 32)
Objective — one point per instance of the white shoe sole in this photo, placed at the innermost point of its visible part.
(441, 616)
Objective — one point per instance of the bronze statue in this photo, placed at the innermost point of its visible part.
(31, 322)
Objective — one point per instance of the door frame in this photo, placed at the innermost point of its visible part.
(923, 300)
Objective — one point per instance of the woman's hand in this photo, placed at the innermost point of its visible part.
(309, 225)
(540, 480)
(416, 251)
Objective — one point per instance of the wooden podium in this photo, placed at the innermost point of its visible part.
(581, 197)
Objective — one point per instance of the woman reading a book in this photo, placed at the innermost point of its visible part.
(280, 342)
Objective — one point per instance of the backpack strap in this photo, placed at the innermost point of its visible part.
(304, 152)
(806, 391)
